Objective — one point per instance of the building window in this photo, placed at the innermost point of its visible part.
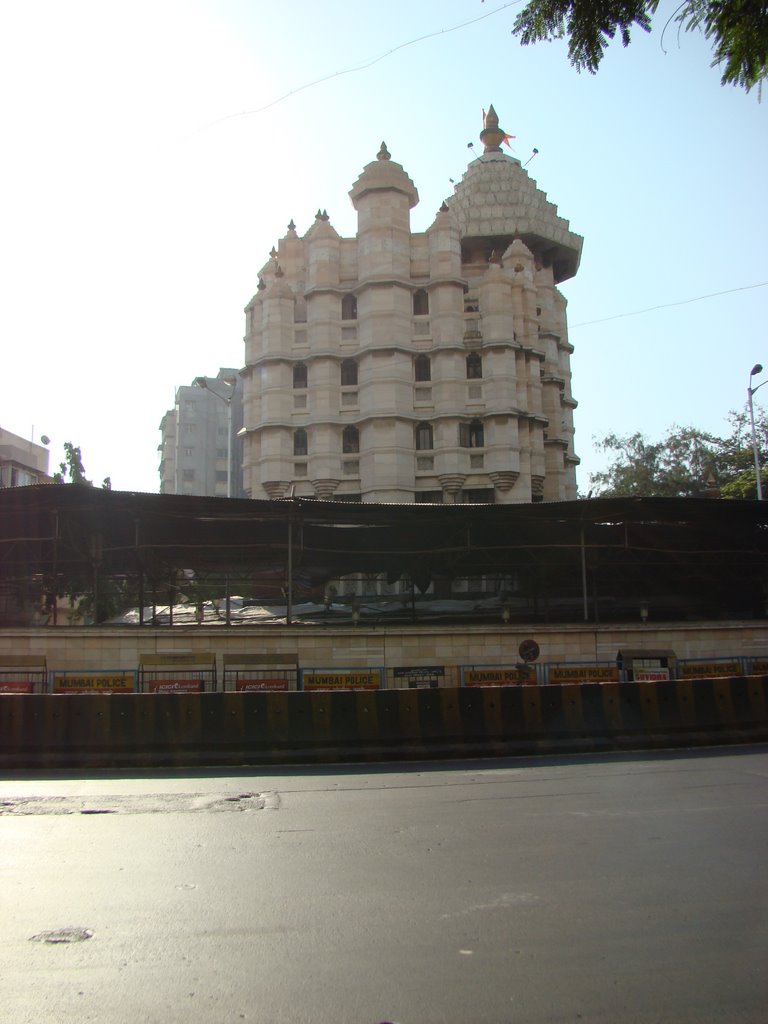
(348, 373)
(424, 437)
(188, 451)
(299, 401)
(478, 496)
(221, 453)
(420, 303)
(300, 442)
(474, 366)
(349, 307)
(350, 441)
(221, 476)
(187, 474)
(472, 435)
(300, 375)
(352, 467)
(422, 368)
(300, 469)
(425, 463)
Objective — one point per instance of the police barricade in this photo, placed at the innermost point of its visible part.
(646, 664)
(564, 672)
(498, 675)
(251, 673)
(418, 677)
(333, 679)
(23, 673)
(709, 668)
(177, 673)
(88, 681)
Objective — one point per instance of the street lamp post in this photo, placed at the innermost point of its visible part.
(202, 382)
(757, 368)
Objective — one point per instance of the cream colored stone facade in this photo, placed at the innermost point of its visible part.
(81, 649)
(398, 366)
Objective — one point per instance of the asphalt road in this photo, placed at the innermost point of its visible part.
(628, 888)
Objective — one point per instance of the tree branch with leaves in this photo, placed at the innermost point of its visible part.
(738, 30)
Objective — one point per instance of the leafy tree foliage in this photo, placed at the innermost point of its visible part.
(738, 30)
(685, 463)
(73, 467)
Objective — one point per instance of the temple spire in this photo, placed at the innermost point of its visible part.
(492, 136)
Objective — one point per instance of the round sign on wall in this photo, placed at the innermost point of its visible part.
(529, 650)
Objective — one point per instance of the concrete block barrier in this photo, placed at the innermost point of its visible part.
(198, 729)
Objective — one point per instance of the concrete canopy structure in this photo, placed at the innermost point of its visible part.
(431, 367)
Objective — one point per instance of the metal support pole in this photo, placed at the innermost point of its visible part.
(757, 368)
(584, 576)
(289, 594)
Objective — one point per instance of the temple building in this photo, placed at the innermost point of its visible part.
(400, 366)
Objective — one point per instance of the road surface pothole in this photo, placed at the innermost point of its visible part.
(63, 936)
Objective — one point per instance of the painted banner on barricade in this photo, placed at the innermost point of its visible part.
(650, 675)
(419, 677)
(708, 669)
(177, 672)
(93, 682)
(245, 672)
(256, 685)
(581, 672)
(512, 675)
(175, 685)
(15, 685)
(23, 673)
(342, 679)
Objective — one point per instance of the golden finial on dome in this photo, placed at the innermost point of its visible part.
(492, 136)
(383, 153)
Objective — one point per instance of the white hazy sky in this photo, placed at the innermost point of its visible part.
(154, 151)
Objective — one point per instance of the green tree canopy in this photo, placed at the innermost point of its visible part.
(73, 467)
(686, 462)
(738, 30)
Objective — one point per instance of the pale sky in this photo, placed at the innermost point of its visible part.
(154, 152)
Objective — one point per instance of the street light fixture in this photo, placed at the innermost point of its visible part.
(202, 382)
(757, 368)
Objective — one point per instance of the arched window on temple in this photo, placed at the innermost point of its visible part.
(420, 303)
(300, 441)
(474, 366)
(424, 437)
(422, 368)
(472, 434)
(350, 440)
(349, 307)
(348, 372)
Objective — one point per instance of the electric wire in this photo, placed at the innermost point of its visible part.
(360, 67)
(668, 305)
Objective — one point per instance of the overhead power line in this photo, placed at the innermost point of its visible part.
(667, 305)
(360, 67)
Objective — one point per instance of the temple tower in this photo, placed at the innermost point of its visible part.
(401, 366)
